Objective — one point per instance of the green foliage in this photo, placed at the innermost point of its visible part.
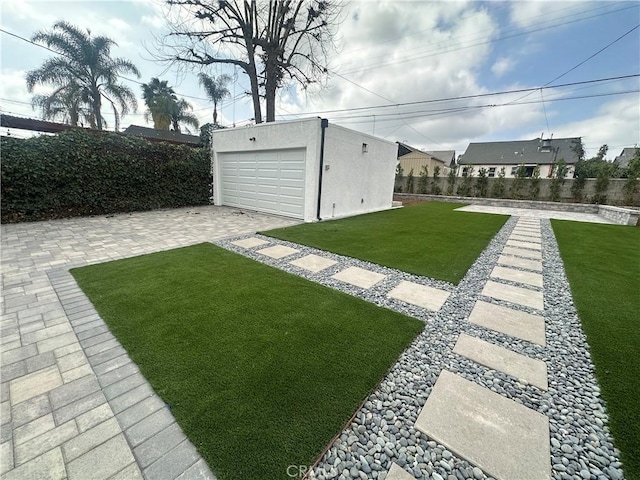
(578, 148)
(577, 188)
(465, 188)
(534, 185)
(602, 152)
(559, 173)
(423, 179)
(592, 168)
(602, 183)
(499, 189)
(80, 173)
(482, 183)
(410, 182)
(84, 74)
(519, 182)
(274, 355)
(631, 185)
(602, 264)
(435, 185)
(216, 89)
(451, 179)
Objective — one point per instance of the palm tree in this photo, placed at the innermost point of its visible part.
(159, 98)
(181, 113)
(216, 89)
(87, 62)
(64, 103)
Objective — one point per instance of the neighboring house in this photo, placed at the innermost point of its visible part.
(412, 158)
(447, 156)
(543, 152)
(307, 169)
(168, 136)
(625, 157)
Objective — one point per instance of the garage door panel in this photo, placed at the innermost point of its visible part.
(268, 181)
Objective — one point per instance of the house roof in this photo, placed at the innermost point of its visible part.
(21, 123)
(404, 149)
(447, 156)
(625, 157)
(169, 136)
(536, 151)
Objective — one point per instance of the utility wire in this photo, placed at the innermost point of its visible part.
(455, 110)
(467, 97)
(583, 61)
(436, 52)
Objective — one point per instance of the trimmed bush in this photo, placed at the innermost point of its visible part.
(78, 173)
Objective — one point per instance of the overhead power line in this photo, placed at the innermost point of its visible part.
(487, 40)
(456, 110)
(468, 97)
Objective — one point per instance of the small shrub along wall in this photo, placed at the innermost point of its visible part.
(613, 194)
(78, 173)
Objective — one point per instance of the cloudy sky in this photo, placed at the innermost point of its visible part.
(396, 52)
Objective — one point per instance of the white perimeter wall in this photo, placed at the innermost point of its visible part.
(356, 182)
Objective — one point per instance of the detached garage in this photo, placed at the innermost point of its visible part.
(306, 169)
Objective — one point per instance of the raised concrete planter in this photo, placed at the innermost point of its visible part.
(623, 216)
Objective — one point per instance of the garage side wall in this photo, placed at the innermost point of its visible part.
(270, 137)
(356, 181)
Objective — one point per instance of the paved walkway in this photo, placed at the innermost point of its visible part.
(531, 213)
(72, 404)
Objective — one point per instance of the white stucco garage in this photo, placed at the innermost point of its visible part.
(307, 169)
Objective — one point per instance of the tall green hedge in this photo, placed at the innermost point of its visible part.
(80, 173)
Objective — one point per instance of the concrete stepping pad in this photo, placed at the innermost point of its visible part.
(528, 278)
(398, 473)
(523, 252)
(249, 242)
(420, 295)
(313, 263)
(278, 251)
(517, 295)
(359, 277)
(520, 244)
(526, 238)
(531, 370)
(529, 264)
(515, 323)
(503, 438)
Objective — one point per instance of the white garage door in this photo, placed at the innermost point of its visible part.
(268, 181)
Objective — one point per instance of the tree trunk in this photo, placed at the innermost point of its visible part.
(271, 85)
(215, 113)
(270, 99)
(255, 94)
(97, 107)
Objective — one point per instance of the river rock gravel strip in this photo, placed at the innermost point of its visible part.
(383, 432)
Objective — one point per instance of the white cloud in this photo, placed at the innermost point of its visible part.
(502, 65)
(616, 123)
(529, 14)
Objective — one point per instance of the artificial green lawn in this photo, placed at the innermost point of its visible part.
(428, 239)
(603, 267)
(261, 368)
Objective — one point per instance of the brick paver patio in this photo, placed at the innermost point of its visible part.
(72, 403)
